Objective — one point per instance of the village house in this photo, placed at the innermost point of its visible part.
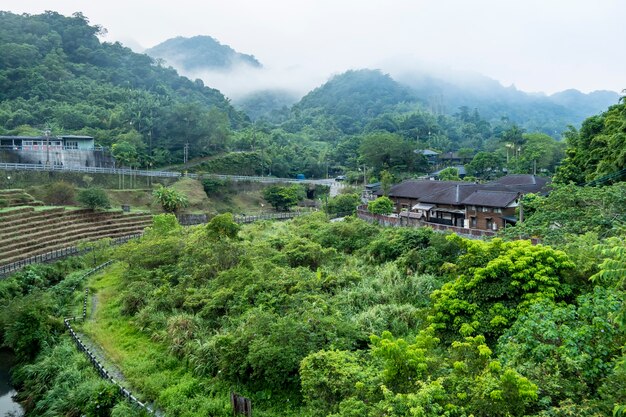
(489, 206)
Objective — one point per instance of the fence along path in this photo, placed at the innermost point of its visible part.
(149, 173)
(98, 366)
(55, 255)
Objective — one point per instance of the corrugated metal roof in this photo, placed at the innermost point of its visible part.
(427, 152)
(460, 168)
(50, 137)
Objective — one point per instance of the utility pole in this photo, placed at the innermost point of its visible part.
(364, 175)
(186, 153)
(47, 133)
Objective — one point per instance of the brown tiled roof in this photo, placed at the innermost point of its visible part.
(453, 194)
(525, 182)
(499, 193)
(490, 198)
(417, 189)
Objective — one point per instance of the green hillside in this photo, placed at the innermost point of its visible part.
(200, 53)
(314, 318)
(598, 149)
(55, 72)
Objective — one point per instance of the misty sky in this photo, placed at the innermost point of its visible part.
(538, 45)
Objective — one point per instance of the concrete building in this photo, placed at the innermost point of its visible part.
(66, 150)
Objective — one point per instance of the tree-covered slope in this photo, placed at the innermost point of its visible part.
(598, 149)
(200, 53)
(350, 100)
(270, 105)
(340, 319)
(54, 71)
(535, 112)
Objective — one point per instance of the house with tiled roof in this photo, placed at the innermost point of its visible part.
(489, 206)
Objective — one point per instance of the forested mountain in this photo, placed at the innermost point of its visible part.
(598, 149)
(365, 118)
(200, 53)
(534, 112)
(270, 105)
(55, 72)
(352, 99)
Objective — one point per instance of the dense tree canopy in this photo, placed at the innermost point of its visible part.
(597, 150)
(316, 318)
(55, 72)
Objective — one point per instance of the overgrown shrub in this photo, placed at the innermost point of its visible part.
(382, 205)
(283, 197)
(170, 199)
(94, 198)
(60, 193)
(344, 204)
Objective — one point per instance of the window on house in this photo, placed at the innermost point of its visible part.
(71, 144)
(472, 221)
(489, 223)
(497, 210)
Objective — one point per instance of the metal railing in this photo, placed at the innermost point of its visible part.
(100, 369)
(149, 173)
(55, 255)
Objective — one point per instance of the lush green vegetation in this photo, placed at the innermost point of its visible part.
(315, 318)
(52, 376)
(200, 53)
(570, 211)
(382, 205)
(170, 199)
(283, 197)
(311, 317)
(598, 149)
(93, 198)
(54, 71)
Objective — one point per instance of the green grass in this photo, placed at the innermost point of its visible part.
(151, 372)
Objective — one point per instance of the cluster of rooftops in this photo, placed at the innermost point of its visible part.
(465, 204)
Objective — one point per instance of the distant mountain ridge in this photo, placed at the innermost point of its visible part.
(535, 112)
(200, 53)
(369, 93)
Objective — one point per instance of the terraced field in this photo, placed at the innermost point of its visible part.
(27, 231)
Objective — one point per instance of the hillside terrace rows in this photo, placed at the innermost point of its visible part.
(17, 197)
(27, 232)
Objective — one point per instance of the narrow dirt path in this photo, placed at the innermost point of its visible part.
(115, 372)
(100, 354)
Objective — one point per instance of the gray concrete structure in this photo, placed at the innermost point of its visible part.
(58, 151)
